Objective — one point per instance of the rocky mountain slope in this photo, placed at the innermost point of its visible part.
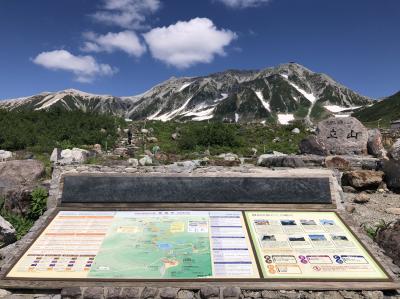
(279, 94)
(383, 111)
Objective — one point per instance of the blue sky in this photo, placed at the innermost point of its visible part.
(124, 47)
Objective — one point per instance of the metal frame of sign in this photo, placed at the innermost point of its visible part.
(251, 283)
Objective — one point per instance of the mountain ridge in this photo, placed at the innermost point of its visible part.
(275, 94)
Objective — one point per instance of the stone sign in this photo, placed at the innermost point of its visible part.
(343, 136)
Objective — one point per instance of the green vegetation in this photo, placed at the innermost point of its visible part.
(373, 230)
(381, 113)
(23, 223)
(223, 137)
(41, 131)
(38, 203)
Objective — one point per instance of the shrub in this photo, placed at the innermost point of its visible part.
(38, 203)
(208, 135)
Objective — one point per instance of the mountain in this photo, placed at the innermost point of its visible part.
(279, 94)
(381, 112)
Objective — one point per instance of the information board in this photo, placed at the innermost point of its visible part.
(141, 245)
(309, 245)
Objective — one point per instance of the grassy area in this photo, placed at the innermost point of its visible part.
(222, 137)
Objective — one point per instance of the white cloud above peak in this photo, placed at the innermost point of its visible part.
(243, 3)
(126, 41)
(85, 68)
(187, 43)
(129, 14)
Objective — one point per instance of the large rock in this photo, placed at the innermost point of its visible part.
(18, 200)
(375, 145)
(146, 161)
(7, 233)
(17, 173)
(389, 239)
(229, 157)
(392, 174)
(310, 145)
(5, 155)
(280, 161)
(337, 162)
(363, 179)
(74, 156)
(342, 136)
(17, 180)
(394, 151)
(55, 155)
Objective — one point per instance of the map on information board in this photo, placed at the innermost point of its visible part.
(141, 245)
(309, 245)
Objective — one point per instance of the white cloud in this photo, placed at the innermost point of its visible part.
(130, 14)
(243, 3)
(126, 41)
(85, 68)
(187, 43)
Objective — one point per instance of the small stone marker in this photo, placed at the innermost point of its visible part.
(343, 136)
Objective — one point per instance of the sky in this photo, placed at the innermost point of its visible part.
(125, 47)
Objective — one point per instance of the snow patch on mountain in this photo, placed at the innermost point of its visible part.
(284, 119)
(337, 109)
(263, 101)
(170, 115)
(223, 97)
(184, 86)
(309, 96)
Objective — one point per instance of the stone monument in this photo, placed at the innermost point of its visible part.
(343, 136)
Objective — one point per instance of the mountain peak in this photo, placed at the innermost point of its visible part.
(288, 91)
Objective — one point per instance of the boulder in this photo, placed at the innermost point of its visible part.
(361, 198)
(152, 139)
(17, 173)
(343, 136)
(7, 233)
(389, 239)
(175, 136)
(145, 161)
(55, 155)
(97, 148)
(374, 144)
(18, 201)
(133, 162)
(121, 151)
(296, 131)
(310, 145)
(74, 156)
(280, 161)
(392, 174)
(394, 151)
(229, 157)
(5, 155)
(362, 179)
(144, 131)
(337, 162)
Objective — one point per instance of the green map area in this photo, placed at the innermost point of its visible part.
(155, 247)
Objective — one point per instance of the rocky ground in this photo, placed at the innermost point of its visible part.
(378, 209)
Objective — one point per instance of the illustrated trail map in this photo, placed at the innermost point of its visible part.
(141, 245)
(309, 245)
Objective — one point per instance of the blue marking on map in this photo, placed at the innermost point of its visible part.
(164, 246)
